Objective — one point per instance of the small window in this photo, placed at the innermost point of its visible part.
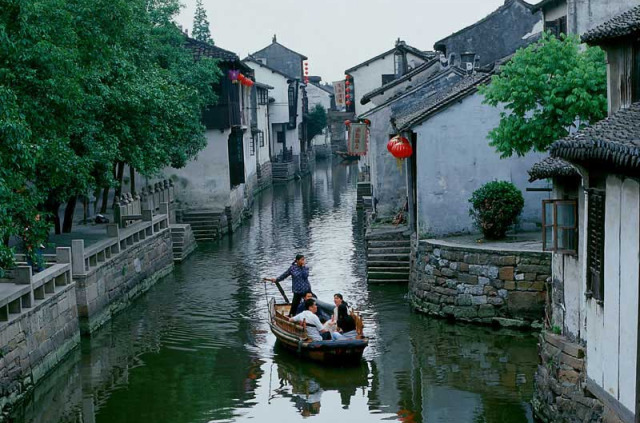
(261, 137)
(595, 244)
(280, 137)
(560, 226)
(263, 96)
(252, 145)
(557, 27)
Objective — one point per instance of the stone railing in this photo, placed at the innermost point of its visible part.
(87, 259)
(127, 209)
(153, 196)
(22, 289)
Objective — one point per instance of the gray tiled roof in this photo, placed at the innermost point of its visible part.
(551, 167)
(200, 49)
(613, 141)
(432, 104)
(424, 55)
(380, 90)
(622, 25)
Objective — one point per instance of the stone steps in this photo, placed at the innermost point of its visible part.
(205, 225)
(381, 281)
(388, 257)
(389, 250)
(183, 241)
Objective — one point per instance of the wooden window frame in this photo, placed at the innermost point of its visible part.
(595, 271)
(252, 145)
(555, 228)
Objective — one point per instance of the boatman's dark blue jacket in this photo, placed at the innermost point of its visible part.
(299, 278)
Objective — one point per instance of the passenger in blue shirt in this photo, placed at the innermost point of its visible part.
(300, 285)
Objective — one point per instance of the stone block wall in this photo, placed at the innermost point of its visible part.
(479, 285)
(36, 341)
(109, 288)
(264, 176)
(561, 393)
(235, 209)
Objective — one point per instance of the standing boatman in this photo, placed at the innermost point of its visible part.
(300, 285)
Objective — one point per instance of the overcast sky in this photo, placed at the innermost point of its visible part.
(335, 35)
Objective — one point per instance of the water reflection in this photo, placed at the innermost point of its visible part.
(197, 347)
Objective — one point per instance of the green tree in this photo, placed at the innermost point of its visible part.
(201, 31)
(317, 121)
(86, 86)
(547, 89)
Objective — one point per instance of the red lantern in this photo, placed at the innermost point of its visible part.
(402, 149)
(347, 82)
(367, 122)
(392, 143)
(347, 122)
(349, 103)
(348, 96)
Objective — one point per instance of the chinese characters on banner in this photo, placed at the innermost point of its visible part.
(339, 92)
(358, 137)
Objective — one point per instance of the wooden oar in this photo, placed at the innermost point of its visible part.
(281, 290)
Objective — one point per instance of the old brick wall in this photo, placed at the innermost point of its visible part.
(36, 341)
(109, 288)
(561, 394)
(479, 285)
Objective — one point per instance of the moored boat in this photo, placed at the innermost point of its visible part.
(293, 337)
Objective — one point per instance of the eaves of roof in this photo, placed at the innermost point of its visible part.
(622, 25)
(551, 167)
(416, 52)
(443, 73)
(442, 100)
(613, 142)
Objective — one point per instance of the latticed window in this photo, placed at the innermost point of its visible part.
(595, 245)
(252, 144)
(560, 226)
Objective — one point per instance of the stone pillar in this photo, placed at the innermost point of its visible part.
(77, 257)
(24, 275)
(171, 191)
(156, 196)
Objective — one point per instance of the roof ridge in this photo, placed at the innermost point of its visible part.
(252, 59)
(506, 5)
(411, 49)
(621, 25)
(423, 66)
(283, 46)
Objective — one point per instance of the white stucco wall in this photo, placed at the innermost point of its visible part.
(263, 125)
(318, 96)
(587, 14)
(279, 110)
(369, 77)
(204, 182)
(455, 159)
(612, 328)
(569, 314)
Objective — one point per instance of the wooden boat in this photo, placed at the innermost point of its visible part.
(293, 337)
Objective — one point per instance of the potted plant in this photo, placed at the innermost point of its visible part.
(495, 207)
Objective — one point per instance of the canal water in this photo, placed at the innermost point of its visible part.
(197, 348)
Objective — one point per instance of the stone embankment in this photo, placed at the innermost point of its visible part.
(561, 386)
(479, 284)
(38, 325)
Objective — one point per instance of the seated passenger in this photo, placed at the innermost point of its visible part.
(307, 296)
(337, 300)
(346, 325)
(321, 314)
(314, 326)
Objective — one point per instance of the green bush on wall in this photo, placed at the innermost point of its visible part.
(495, 206)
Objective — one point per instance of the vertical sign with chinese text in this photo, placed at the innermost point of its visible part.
(339, 93)
(358, 139)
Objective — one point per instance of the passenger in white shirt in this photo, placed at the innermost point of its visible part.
(314, 326)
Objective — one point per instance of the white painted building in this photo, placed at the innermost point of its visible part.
(592, 224)
(381, 69)
(285, 118)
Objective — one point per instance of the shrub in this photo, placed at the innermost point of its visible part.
(495, 206)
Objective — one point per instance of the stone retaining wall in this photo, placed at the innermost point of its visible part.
(479, 285)
(109, 288)
(264, 176)
(561, 393)
(36, 341)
